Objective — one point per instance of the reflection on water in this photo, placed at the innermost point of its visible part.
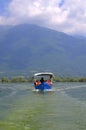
(23, 109)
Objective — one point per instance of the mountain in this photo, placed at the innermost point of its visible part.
(80, 37)
(26, 48)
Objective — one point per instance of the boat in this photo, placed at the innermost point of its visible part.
(43, 81)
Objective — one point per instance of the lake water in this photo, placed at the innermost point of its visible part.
(23, 109)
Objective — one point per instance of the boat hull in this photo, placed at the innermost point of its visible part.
(43, 87)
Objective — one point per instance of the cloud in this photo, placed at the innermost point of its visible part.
(68, 16)
(61, 3)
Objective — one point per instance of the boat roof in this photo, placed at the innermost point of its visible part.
(44, 74)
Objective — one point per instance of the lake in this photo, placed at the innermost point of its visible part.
(23, 109)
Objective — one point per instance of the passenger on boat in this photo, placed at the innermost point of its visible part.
(37, 82)
(42, 80)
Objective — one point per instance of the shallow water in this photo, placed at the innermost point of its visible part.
(23, 109)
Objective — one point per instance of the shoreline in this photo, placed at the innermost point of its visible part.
(22, 79)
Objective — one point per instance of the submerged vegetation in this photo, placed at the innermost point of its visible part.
(22, 79)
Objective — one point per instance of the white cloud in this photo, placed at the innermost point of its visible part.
(68, 16)
(1, 20)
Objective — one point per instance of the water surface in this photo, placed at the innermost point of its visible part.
(23, 109)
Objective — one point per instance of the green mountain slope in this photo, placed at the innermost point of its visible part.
(26, 48)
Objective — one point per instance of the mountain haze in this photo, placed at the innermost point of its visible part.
(26, 48)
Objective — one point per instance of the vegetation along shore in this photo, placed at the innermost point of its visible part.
(22, 79)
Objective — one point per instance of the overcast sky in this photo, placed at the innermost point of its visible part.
(67, 16)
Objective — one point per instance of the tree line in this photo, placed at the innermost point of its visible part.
(22, 79)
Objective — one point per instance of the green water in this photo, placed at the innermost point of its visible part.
(23, 109)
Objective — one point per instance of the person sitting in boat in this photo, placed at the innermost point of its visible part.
(42, 80)
(37, 82)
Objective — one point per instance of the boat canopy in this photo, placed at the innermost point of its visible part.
(44, 74)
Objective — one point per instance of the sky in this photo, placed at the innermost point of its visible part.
(68, 16)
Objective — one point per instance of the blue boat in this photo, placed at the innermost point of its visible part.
(43, 81)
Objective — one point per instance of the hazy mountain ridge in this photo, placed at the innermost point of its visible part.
(30, 47)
